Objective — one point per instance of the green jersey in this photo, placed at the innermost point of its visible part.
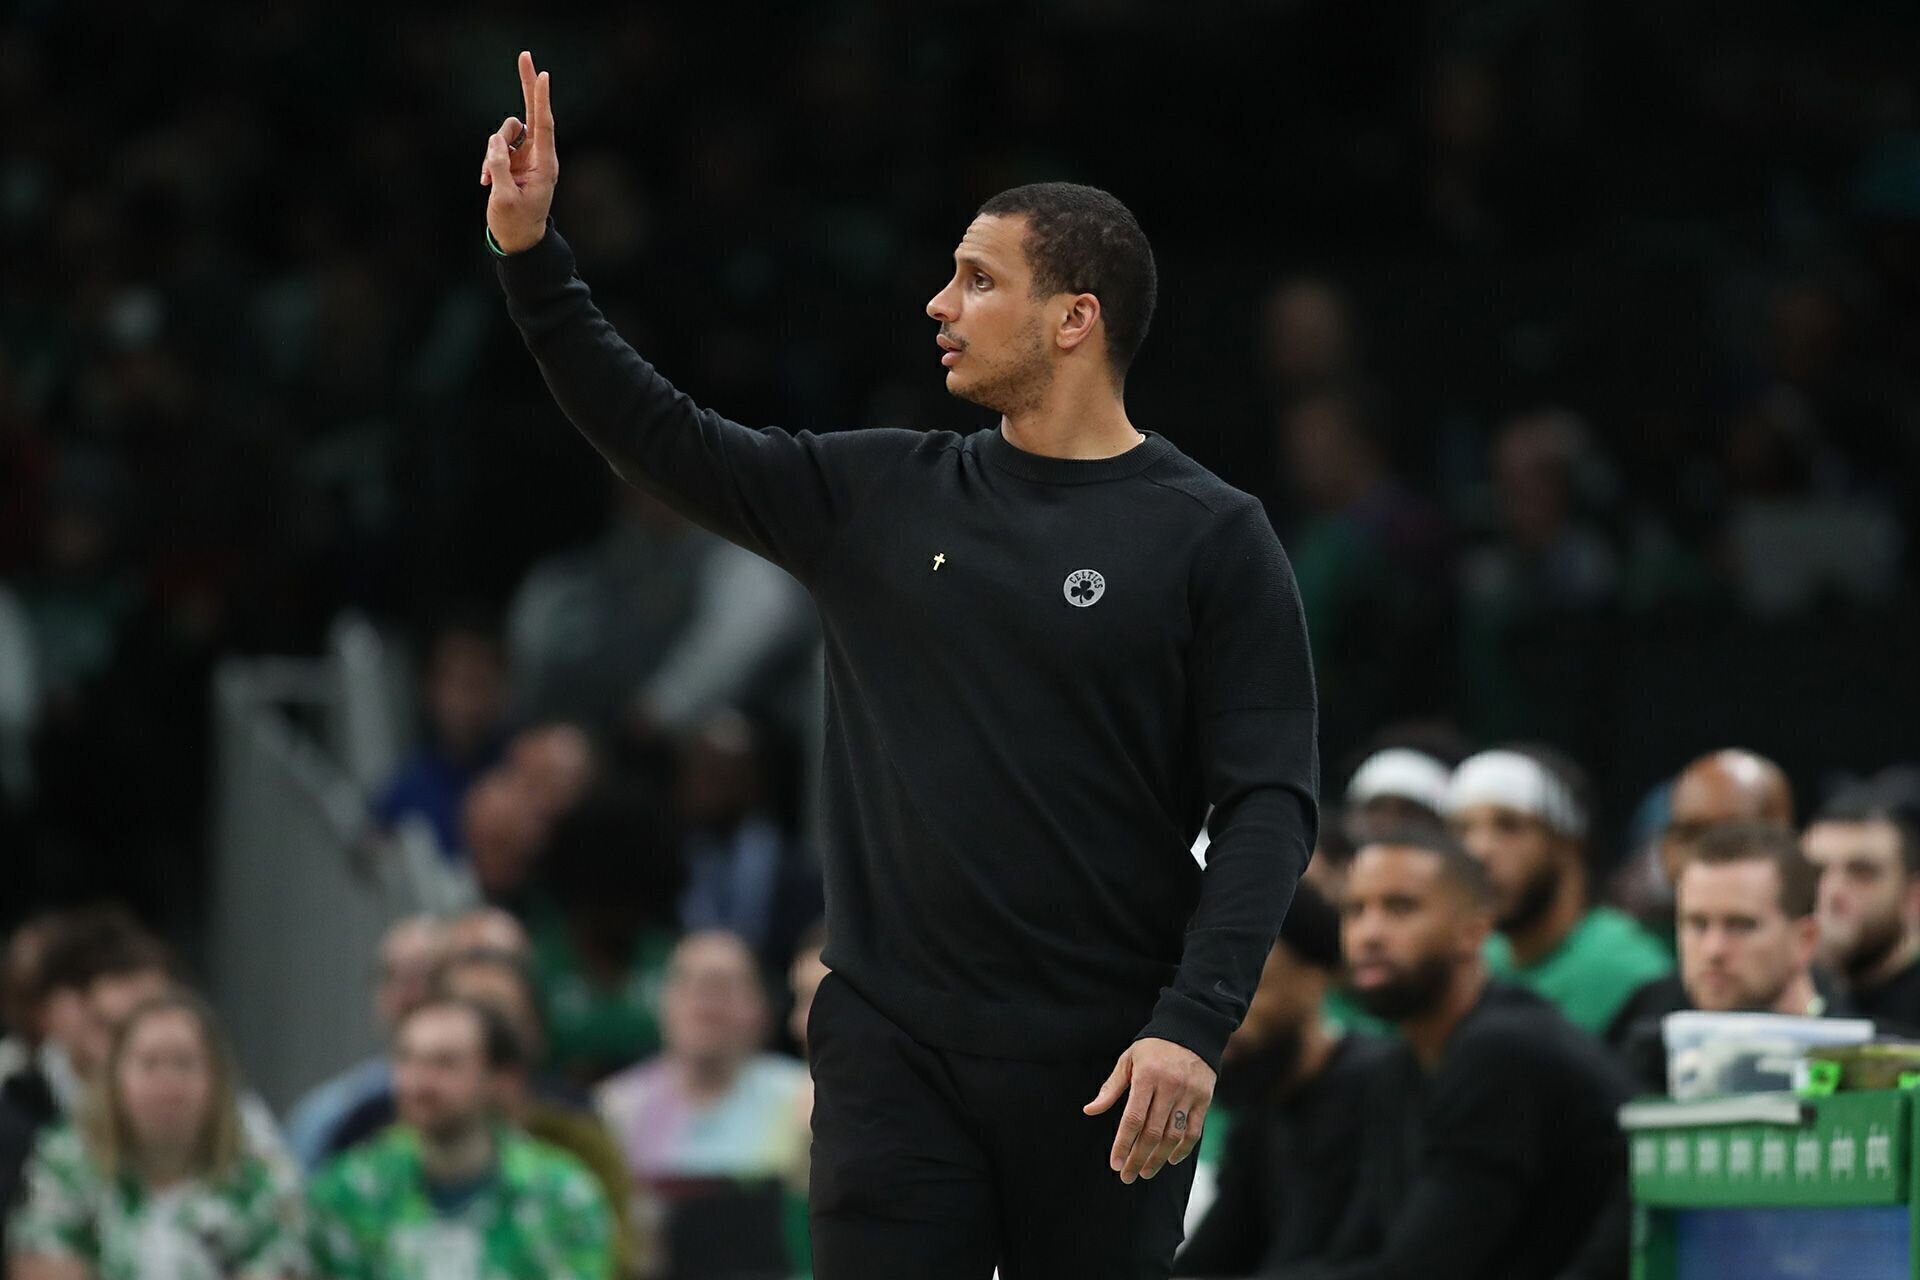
(1590, 975)
(539, 1215)
(251, 1220)
(593, 1030)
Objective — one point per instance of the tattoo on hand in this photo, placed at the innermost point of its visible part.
(1179, 1122)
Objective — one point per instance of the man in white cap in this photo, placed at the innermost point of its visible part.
(1395, 789)
(1523, 813)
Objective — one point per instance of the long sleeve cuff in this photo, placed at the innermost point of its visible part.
(1189, 1024)
(548, 261)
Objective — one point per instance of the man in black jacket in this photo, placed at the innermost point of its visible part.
(1297, 1089)
(1491, 1145)
(1051, 646)
(1865, 843)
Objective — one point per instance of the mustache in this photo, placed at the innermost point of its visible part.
(959, 343)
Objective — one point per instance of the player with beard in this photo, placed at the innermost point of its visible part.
(1052, 644)
(1489, 1140)
(1867, 849)
(1296, 1086)
(1523, 812)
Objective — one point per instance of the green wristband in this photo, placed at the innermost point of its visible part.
(494, 245)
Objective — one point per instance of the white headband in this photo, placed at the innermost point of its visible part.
(1514, 781)
(1400, 772)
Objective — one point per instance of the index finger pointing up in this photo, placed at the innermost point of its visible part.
(529, 92)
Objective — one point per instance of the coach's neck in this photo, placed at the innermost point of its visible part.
(1078, 414)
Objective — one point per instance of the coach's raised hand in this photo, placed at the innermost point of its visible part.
(521, 167)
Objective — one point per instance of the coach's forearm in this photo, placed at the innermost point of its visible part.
(647, 431)
(777, 494)
(1259, 848)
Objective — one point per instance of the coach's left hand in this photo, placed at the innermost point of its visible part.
(1169, 1089)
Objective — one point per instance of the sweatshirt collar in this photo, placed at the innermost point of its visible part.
(996, 449)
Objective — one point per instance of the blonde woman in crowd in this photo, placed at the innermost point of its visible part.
(155, 1181)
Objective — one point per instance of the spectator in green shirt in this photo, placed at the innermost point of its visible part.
(546, 1109)
(453, 1192)
(155, 1177)
(1523, 814)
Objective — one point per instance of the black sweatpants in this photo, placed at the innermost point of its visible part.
(934, 1165)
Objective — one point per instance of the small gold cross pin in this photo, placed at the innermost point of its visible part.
(939, 559)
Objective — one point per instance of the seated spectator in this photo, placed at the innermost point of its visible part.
(98, 965)
(20, 1000)
(485, 931)
(488, 929)
(1747, 935)
(22, 975)
(737, 857)
(1309, 341)
(1545, 554)
(1395, 788)
(549, 1110)
(156, 1178)
(410, 954)
(1719, 789)
(1295, 1089)
(455, 1190)
(1370, 557)
(1489, 1136)
(1866, 848)
(712, 1111)
(1327, 873)
(503, 835)
(556, 762)
(603, 927)
(1524, 815)
(94, 967)
(466, 693)
(509, 813)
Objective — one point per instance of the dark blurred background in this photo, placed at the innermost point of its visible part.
(1575, 347)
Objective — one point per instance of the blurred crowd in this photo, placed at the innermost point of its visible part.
(1429, 1078)
(1429, 1073)
(1571, 346)
(475, 1144)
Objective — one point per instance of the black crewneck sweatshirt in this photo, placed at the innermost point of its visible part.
(1040, 674)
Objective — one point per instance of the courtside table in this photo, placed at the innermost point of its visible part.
(1775, 1187)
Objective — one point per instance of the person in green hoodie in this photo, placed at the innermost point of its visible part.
(1523, 813)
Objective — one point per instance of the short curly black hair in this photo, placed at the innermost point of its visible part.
(1083, 240)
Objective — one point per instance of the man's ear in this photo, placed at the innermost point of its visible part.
(1078, 324)
(1910, 908)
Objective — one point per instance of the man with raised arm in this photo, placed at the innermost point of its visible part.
(1051, 645)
